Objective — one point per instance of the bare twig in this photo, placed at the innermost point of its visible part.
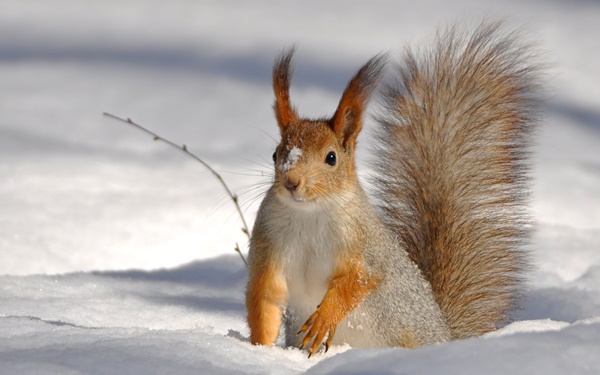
(184, 149)
(237, 248)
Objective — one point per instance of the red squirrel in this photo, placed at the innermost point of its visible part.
(436, 252)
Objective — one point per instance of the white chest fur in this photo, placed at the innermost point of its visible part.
(308, 245)
(309, 253)
(309, 242)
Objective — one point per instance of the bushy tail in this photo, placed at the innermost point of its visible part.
(452, 172)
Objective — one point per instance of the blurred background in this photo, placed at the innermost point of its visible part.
(79, 191)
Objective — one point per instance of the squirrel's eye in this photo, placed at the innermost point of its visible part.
(330, 159)
(275, 157)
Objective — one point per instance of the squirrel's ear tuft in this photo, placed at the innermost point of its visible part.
(282, 74)
(347, 120)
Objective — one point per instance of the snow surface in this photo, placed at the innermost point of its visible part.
(116, 252)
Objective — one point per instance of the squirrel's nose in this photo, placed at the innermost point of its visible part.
(291, 184)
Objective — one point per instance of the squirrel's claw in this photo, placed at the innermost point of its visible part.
(330, 338)
(318, 327)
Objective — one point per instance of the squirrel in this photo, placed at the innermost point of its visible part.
(436, 253)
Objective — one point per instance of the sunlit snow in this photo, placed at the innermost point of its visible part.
(116, 252)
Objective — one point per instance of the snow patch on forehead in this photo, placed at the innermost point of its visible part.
(292, 158)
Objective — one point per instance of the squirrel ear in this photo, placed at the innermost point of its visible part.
(347, 120)
(282, 73)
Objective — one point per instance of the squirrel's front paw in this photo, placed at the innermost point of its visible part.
(318, 325)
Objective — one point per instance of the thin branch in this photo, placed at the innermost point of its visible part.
(184, 149)
(237, 248)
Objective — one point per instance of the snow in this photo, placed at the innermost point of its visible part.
(116, 252)
(573, 350)
(292, 159)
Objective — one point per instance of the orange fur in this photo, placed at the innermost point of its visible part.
(347, 120)
(312, 176)
(282, 71)
(266, 294)
(348, 287)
